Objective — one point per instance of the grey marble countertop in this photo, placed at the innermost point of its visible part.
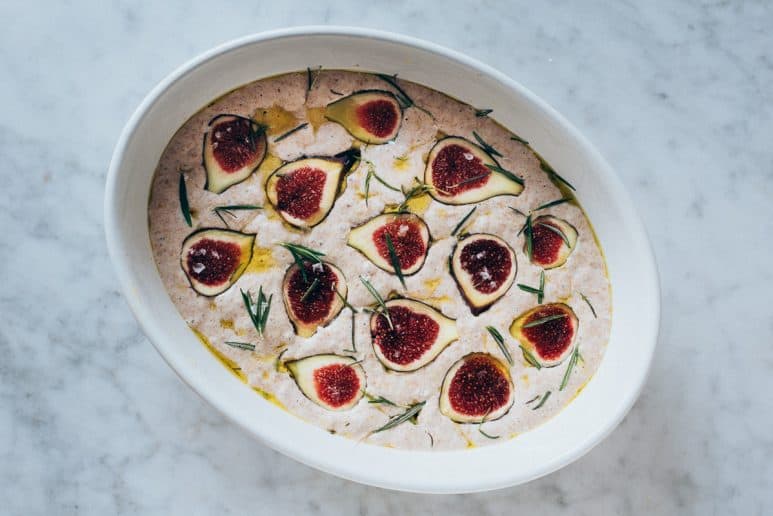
(677, 96)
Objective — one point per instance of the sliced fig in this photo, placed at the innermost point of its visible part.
(408, 234)
(476, 388)
(310, 295)
(546, 332)
(234, 147)
(304, 191)
(213, 259)
(371, 116)
(553, 240)
(333, 382)
(458, 173)
(413, 335)
(484, 268)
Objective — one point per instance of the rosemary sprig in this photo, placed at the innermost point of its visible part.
(469, 180)
(528, 235)
(420, 188)
(394, 259)
(346, 303)
(240, 345)
(462, 222)
(237, 207)
(380, 400)
(543, 320)
(535, 398)
(526, 222)
(530, 358)
(554, 175)
(540, 292)
(593, 310)
(311, 79)
(509, 175)
(290, 132)
(402, 97)
(519, 212)
(541, 401)
(379, 300)
(372, 174)
(570, 367)
(552, 203)
(486, 147)
(257, 309)
(557, 231)
(517, 138)
(184, 206)
(229, 210)
(310, 290)
(501, 343)
(410, 414)
(483, 112)
(480, 427)
(301, 254)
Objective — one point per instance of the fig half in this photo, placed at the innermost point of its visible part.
(304, 191)
(552, 241)
(234, 147)
(310, 295)
(546, 333)
(484, 268)
(213, 259)
(413, 335)
(408, 234)
(461, 172)
(371, 116)
(477, 388)
(333, 382)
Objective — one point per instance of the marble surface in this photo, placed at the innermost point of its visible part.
(678, 97)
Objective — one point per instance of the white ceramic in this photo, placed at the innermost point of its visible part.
(585, 422)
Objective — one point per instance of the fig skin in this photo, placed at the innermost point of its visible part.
(244, 242)
(477, 301)
(470, 190)
(303, 372)
(308, 328)
(218, 180)
(490, 414)
(345, 111)
(446, 335)
(334, 168)
(361, 239)
(517, 331)
(543, 238)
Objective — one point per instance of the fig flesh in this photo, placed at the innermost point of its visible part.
(477, 388)
(553, 240)
(213, 259)
(413, 335)
(310, 295)
(408, 234)
(304, 191)
(484, 268)
(371, 116)
(234, 147)
(333, 382)
(460, 172)
(547, 332)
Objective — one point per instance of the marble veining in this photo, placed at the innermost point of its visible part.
(676, 95)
